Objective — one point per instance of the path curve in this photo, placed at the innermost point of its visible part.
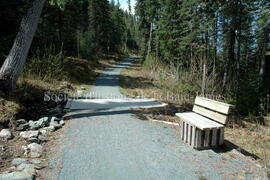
(111, 144)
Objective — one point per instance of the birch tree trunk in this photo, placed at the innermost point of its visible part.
(13, 65)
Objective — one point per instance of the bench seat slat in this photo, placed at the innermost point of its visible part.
(213, 105)
(199, 121)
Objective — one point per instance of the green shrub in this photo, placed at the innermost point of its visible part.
(150, 62)
(86, 45)
(46, 64)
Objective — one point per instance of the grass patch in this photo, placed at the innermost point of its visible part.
(253, 138)
(138, 81)
(49, 72)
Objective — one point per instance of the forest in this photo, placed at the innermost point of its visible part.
(210, 47)
(214, 47)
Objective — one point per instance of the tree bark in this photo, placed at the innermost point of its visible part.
(157, 47)
(203, 78)
(215, 44)
(13, 65)
(264, 49)
(149, 48)
(60, 27)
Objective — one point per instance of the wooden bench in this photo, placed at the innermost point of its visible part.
(204, 127)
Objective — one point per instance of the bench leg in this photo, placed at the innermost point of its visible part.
(214, 137)
(221, 136)
(193, 141)
(199, 139)
(206, 138)
(189, 134)
(186, 133)
(182, 130)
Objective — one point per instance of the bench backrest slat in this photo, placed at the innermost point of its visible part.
(217, 111)
(213, 105)
(211, 114)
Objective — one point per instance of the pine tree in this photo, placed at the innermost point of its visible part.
(99, 12)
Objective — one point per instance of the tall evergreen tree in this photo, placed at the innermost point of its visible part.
(99, 13)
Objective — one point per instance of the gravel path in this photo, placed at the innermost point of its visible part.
(111, 144)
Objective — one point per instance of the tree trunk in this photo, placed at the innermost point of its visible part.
(157, 47)
(60, 27)
(204, 78)
(238, 66)
(215, 44)
(264, 49)
(13, 65)
(78, 43)
(149, 48)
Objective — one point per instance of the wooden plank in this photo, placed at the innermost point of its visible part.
(185, 132)
(214, 137)
(199, 121)
(193, 136)
(204, 120)
(213, 105)
(189, 134)
(199, 139)
(221, 136)
(206, 138)
(182, 130)
(210, 114)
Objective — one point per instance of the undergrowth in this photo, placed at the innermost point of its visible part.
(159, 82)
(187, 81)
(49, 70)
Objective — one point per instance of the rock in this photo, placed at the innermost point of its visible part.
(35, 150)
(17, 176)
(23, 127)
(19, 161)
(24, 169)
(42, 138)
(29, 134)
(6, 134)
(34, 125)
(43, 122)
(47, 130)
(35, 161)
(55, 119)
(55, 124)
(21, 121)
(43, 131)
(26, 150)
(30, 168)
(12, 169)
(39, 164)
(62, 122)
